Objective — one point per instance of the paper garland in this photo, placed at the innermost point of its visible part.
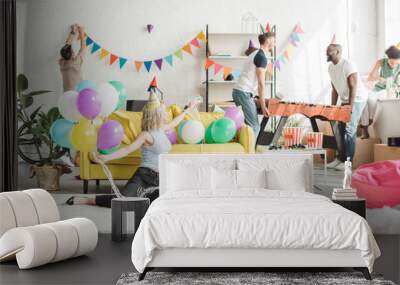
(105, 54)
(281, 59)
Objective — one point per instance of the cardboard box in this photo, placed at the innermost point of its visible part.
(364, 151)
(384, 152)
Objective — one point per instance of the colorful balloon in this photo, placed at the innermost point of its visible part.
(172, 136)
(236, 114)
(110, 135)
(181, 124)
(192, 132)
(83, 136)
(122, 95)
(88, 103)
(223, 130)
(67, 106)
(208, 136)
(108, 96)
(83, 84)
(60, 131)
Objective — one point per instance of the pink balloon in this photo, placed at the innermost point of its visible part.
(110, 135)
(88, 103)
(171, 134)
(236, 114)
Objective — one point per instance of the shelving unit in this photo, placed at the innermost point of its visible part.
(229, 48)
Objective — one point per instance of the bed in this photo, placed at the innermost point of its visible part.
(247, 211)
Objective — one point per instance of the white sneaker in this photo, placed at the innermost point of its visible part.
(340, 167)
(334, 163)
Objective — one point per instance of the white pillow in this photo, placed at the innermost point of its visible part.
(224, 179)
(182, 177)
(251, 178)
(291, 176)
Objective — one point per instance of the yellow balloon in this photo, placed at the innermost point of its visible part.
(83, 136)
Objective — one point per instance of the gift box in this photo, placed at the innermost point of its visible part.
(292, 136)
(314, 140)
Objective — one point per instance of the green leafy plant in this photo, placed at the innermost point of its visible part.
(35, 145)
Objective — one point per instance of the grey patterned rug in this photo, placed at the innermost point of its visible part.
(243, 278)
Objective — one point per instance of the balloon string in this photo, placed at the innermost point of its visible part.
(107, 172)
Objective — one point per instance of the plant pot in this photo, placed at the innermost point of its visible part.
(47, 176)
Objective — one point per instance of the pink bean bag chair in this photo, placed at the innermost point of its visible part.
(378, 183)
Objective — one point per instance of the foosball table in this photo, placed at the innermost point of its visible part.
(337, 116)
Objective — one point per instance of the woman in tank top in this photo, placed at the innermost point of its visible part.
(152, 141)
(385, 70)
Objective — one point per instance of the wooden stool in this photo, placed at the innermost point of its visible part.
(119, 207)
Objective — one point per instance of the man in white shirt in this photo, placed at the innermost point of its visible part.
(252, 79)
(349, 89)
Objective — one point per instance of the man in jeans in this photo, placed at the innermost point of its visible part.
(348, 87)
(251, 78)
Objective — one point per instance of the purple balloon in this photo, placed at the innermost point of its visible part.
(110, 135)
(88, 103)
(171, 134)
(236, 114)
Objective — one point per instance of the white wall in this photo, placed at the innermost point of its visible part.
(119, 26)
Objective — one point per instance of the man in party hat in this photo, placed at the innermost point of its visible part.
(251, 82)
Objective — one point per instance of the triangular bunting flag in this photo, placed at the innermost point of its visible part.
(201, 36)
(236, 73)
(138, 65)
(169, 59)
(277, 64)
(270, 68)
(298, 29)
(103, 53)
(208, 63)
(89, 41)
(227, 71)
(267, 28)
(178, 54)
(147, 64)
(294, 43)
(95, 48)
(217, 68)
(195, 43)
(113, 58)
(158, 62)
(295, 37)
(187, 48)
(122, 62)
(286, 54)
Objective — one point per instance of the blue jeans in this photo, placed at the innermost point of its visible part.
(246, 101)
(350, 133)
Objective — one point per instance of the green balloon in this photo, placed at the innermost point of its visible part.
(223, 130)
(109, 150)
(121, 93)
(208, 136)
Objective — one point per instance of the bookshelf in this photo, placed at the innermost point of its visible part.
(228, 49)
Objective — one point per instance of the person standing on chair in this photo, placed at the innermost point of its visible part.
(70, 63)
(348, 89)
(252, 80)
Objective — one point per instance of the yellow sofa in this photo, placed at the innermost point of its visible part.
(124, 168)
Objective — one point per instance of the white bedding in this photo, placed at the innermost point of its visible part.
(251, 218)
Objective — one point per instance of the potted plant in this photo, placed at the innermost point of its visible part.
(35, 145)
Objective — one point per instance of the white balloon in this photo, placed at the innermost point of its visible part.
(109, 98)
(67, 106)
(193, 132)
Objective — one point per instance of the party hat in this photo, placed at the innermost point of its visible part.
(251, 45)
(154, 102)
(149, 28)
(333, 40)
(267, 28)
(153, 84)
